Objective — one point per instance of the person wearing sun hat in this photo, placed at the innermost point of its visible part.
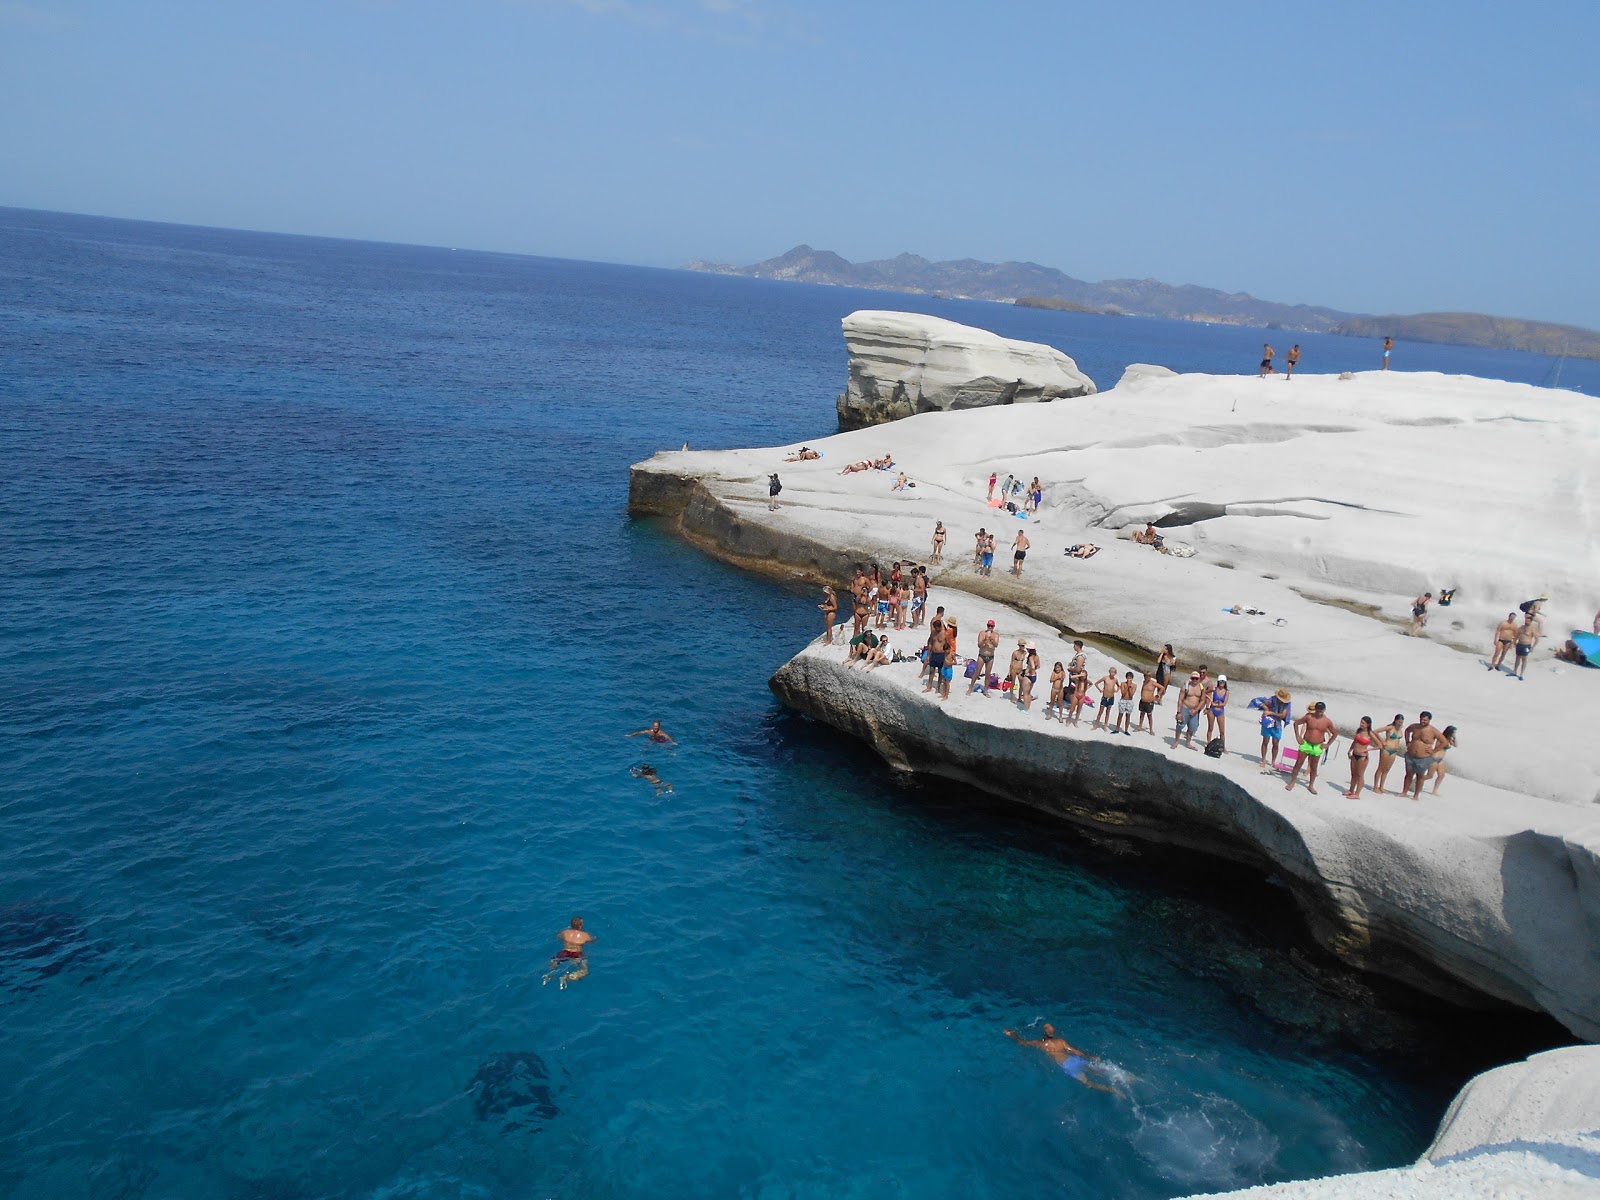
(1275, 714)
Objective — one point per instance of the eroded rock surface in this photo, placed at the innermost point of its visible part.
(906, 363)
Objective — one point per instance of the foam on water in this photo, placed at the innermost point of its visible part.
(322, 623)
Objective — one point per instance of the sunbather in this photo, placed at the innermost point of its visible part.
(805, 454)
(1087, 550)
(852, 468)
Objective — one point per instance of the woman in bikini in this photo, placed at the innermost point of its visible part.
(1436, 772)
(938, 542)
(1217, 711)
(1391, 740)
(1058, 680)
(830, 610)
(1360, 748)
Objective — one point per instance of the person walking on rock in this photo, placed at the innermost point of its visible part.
(773, 488)
(980, 541)
(1019, 551)
(938, 543)
(988, 555)
(992, 478)
(1419, 613)
(1164, 664)
(1266, 360)
(1316, 735)
(1292, 361)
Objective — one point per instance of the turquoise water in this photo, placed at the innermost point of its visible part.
(321, 624)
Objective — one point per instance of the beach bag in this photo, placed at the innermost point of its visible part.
(1214, 748)
(1010, 507)
(994, 680)
(972, 668)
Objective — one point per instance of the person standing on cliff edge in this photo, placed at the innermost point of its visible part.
(1266, 359)
(1388, 345)
(773, 488)
(1292, 361)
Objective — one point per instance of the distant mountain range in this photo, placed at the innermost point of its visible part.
(1045, 287)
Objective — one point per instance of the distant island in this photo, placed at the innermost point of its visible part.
(1035, 286)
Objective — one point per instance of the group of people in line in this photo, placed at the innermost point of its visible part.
(1125, 703)
(1292, 359)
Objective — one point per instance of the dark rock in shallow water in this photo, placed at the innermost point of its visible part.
(513, 1090)
(37, 943)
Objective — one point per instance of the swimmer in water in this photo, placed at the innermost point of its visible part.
(647, 773)
(1072, 1061)
(655, 733)
(573, 940)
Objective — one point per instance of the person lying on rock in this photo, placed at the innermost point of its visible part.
(851, 468)
(805, 454)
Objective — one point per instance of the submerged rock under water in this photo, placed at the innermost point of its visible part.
(513, 1090)
(37, 943)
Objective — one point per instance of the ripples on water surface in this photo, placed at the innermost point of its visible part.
(320, 624)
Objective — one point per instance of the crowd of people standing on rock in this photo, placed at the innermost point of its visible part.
(1124, 703)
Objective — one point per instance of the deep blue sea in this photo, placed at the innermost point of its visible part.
(321, 624)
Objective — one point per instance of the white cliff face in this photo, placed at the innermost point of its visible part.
(1522, 1131)
(906, 363)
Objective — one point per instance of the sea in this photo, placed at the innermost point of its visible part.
(323, 628)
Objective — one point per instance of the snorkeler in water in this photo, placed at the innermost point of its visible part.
(1073, 1062)
(647, 773)
(656, 734)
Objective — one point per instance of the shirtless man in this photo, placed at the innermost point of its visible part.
(655, 733)
(573, 941)
(982, 538)
(1108, 701)
(1419, 613)
(1125, 706)
(919, 596)
(1074, 1062)
(1422, 743)
(988, 642)
(1190, 701)
(938, 649)
(1388, 345)
(934, 626)
(1528, 636)
(1019, 551)
(1505, 634)
(1266, 360)
(1147, 704)
(1292, 361)
(1316, 735)
(1014, 670)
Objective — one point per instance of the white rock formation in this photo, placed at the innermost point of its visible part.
(906, 363)
(1135, 372)
(1525, 1131)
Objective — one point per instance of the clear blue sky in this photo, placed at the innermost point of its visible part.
(1373, 157)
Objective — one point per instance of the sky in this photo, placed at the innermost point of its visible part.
(1384, 158)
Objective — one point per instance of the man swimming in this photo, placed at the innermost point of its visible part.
(647, 773)
(1073, 1062)
(655, 733)
(573, 940)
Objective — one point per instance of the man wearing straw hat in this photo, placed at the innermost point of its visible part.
(1274, 715)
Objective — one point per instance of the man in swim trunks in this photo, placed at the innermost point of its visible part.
(1388, 345)
(1190, 701)
(573, 940)
(980, 539)
(1108, 701)
(1147, 704)
(1505, 634)
(1266, 360)
(1125, 706)
(1527, 638)
(1019, 551)
(938, 648)
(1073, 1062)
(655, 733)
(1423, 741)
(1292, 361)
(988, 642)
(647, 773)
(1316, 735)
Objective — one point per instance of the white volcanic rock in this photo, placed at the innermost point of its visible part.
(905, 363)
(1329, 504)
(1138, 371)
(1519, 1132)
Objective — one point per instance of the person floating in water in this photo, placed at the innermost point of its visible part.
(570, 962)
(647, 773)
(1074, 1062)
(655, 733)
